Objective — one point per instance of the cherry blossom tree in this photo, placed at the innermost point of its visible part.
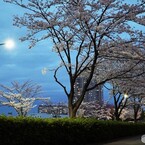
(97, 39)
(136, 100)
(128, 94)
(94, 110)
(128, 114)
(120, 97)
(136, 104)
(20, 96)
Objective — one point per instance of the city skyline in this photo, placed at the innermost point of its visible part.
(95, 94)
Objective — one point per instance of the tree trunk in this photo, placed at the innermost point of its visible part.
(117, 116)
(135, 117)
(73, 105)
(135, 113)
(72, 112)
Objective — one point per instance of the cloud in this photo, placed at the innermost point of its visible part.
(11, 65)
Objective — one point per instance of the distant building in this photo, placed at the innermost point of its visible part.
(92, 95)
(59, 109)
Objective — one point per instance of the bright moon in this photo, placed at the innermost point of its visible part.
(9, 44)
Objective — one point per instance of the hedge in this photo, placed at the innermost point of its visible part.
(35, 131)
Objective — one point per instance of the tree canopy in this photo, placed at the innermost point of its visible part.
(94, 38)
(20, 96)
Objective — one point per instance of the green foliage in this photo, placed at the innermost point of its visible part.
(36, 131)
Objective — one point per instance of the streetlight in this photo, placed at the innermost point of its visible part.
(9, 44)
(125, 96)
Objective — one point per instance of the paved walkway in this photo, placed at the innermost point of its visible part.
(136, 140)
(127, 141)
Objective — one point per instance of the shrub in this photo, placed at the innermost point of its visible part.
(35, 131)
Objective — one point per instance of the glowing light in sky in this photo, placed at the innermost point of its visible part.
(9, 44)
(125, 96)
